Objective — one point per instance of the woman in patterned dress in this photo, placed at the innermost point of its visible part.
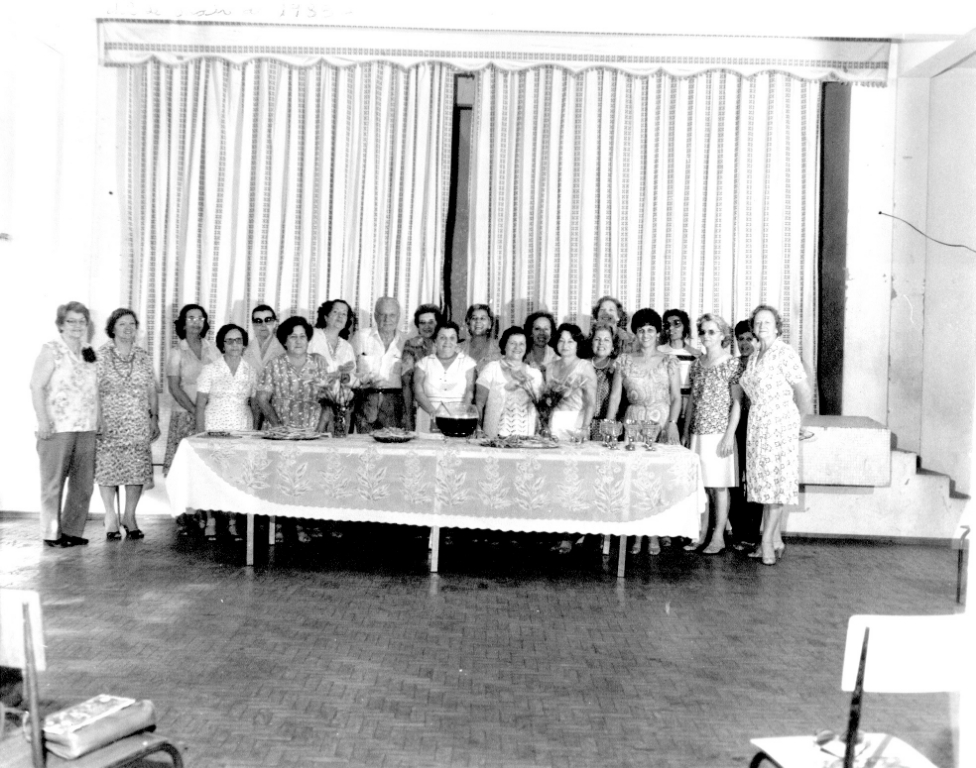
(574, 379)
(779, 396)
(507, 389)
(291, 385)
(650, 380)
(128, 422)
(712, 417)
(602, 344)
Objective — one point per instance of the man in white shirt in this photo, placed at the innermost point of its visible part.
(379, 351)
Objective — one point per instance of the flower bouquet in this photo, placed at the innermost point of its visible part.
(336, 393)
(552, 395)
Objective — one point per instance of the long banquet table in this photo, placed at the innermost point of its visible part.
(443, 483)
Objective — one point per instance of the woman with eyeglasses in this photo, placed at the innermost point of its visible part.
(779, 395)
(64, 392)
(677, 333)
(713, 415)
(128, 423)
(227, 399)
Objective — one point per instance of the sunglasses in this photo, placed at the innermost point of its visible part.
(264, 321)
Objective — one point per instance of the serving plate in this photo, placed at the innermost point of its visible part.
(393, 436)
(293, 434)
(519, 442)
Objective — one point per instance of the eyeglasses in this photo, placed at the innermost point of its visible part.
(76, 322)
(711, 332)
(233, 341)
(264, 320)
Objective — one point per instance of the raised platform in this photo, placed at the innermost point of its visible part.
(845, 450)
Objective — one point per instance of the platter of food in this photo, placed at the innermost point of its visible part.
(393, 435)
(520, 441)
(287, 433)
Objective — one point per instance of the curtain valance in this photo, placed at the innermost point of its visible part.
(129, 42)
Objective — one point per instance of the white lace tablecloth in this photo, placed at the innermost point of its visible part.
(448, 483)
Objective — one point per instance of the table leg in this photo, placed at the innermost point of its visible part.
(606, 544)
(271, 530)
(250, 539)
(435, 546)
(622, 558)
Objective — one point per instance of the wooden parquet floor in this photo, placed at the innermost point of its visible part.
(346, 652)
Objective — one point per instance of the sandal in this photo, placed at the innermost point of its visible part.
(135, 533)
(713, 549)
(654, 548)
(113, 535)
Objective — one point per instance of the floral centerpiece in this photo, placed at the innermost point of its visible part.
(553, 392)
(336, 392)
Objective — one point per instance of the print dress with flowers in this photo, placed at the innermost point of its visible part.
(772, 439)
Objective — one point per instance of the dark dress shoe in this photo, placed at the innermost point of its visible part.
(74, 541)
(61, 542)
(113, 535)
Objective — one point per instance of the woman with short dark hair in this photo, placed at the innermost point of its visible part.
(64, 392)
(291, 386)
(507, 389)
(445, 378)
(128, 422)
(574, 380)
(650, 379)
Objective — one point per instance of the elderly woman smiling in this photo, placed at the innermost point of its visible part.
(65, 397)
(128, 422)
(779, 395)
(291, 384)
(443, 378)
(507, 389)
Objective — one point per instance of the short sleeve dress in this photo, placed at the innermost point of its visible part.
(648, 386)
(184, 363)
(711, 392)
(295, 393)
(567, 416)
(772, 439)
(227, 395)
(123, 453)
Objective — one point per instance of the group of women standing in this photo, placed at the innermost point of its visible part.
(98, 412)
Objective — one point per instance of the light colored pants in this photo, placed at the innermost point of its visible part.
(66, 456)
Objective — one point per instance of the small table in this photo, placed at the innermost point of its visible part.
(443, 483)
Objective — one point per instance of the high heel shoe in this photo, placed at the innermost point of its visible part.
(635, 548)
(780, 551)
(768, 558)
(135, 533)
(113, 535)
(713, 549)
(654, 546)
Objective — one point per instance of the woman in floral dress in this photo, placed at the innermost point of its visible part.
(712, 418)
(575, 382)
(291, 385)
(602, 344)
(779, 395)
(650, 379)
(128, 422)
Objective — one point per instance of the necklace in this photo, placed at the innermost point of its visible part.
(129, 363)
(605, 365)
(333, 346)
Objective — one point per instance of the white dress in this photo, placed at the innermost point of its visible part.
(344, 354)
(509, 409)
(442, 385)
(227, 395)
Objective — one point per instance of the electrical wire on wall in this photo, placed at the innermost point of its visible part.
(927, 237)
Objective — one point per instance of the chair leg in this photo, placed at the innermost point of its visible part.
(174, 754)
(760, 758)
(960, 573)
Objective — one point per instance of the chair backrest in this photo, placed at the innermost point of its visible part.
(909, 654)
(12, 628)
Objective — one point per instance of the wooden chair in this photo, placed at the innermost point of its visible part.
(21, 646)
(908, 654)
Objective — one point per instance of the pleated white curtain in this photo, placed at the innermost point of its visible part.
(699, 193)
(269, 183)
